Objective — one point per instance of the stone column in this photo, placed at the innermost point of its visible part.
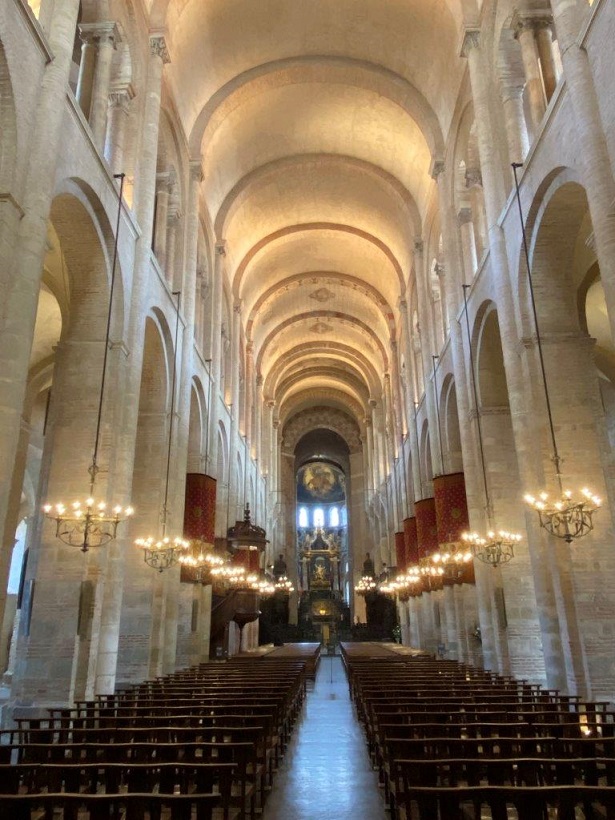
(162, 219)
(174, 590)
(257, 433)
(28, 244)
(173, 275)
(544, 41)
(524, 33)
(516, 127)
(414, 443)
(191, 600)
(468, 243)
(202, 288)
(117, 124)
(235, 355)
(125, 564)
(87, 67)
(377, 445)
(401, 426)
(236, 490)
(522, 411)
(267, 435)
(107, 37)
(61, 631)
(249, 398)
(474, 184)
(427, 348)
(368, 451)
(275, 454)
(390, 446)
(215, 345)
(594, 159)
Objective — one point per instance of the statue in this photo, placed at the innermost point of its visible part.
(368, 566)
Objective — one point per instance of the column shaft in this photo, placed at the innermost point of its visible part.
(516, 127)
(117, 124)
(28, 248)
(594, 158)
(106, 38)
(162, 220)
(533, 77)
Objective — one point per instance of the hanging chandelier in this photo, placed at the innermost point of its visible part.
(201, 559)
(165, 551)
(496, 547)
(261, 583)
(86, 524)
(452, 560)
(229, 575)
(284, 585)
(567, 518)
(93, 523)
(162, 553)
(493, 548)
(366, 585)
(403, 585)
(432, 575)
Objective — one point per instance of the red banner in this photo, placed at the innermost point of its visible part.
(200, 507)
(411, 542)
(452, 518)
(426, 530)
(451, 507)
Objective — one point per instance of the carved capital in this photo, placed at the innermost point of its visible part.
(531, 20)
(403, 305)
(196, 170)
(221, 248)
(100, 33)
(471, 40)
(121, 95)
(437, 167)
(474, 178)
(418, 246)
(464, 216)
(163, 183)
(158, 47)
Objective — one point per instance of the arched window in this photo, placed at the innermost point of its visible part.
(334, 517)
(319, 517)
(344, 517)
(303, 517)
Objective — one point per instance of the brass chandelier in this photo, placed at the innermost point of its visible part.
(92, 522)
(163, 552)
(568, 517)
(495, 547)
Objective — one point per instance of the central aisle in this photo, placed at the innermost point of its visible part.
(326, 772)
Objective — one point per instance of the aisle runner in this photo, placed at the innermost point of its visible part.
(326, 773)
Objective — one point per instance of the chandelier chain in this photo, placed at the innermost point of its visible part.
(556, 457)
(94, 469)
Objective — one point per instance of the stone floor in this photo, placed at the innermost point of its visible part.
(326, 772)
